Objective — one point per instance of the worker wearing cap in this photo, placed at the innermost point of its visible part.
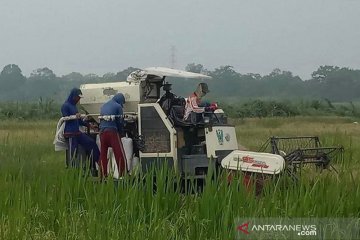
(72, 131)
(111, 131)
(193, 107)
(193, 102)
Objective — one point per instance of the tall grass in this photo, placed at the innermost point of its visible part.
(40, 199)
(41, 109)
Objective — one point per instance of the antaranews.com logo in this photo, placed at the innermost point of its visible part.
(301, 230)
(298, 228)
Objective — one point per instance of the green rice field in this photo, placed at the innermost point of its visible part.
(40, 199)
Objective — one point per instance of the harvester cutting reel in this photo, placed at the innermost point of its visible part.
(303, 151)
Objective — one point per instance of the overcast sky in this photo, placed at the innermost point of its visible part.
(99, 36)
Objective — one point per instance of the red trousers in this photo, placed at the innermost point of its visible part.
(249, 181)
(112, 139)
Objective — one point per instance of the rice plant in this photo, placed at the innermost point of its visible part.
(40, 199)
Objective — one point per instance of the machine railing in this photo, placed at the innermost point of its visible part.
(303, 150)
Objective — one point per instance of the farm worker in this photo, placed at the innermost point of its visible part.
(72, 131)
(193, 107)
(111, 131)
(193, 102)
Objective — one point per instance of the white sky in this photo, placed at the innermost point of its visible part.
(99, 36)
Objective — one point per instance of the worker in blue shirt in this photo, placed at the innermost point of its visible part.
(73, 133)
(111, 132)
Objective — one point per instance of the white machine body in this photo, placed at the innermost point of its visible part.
(220, 138)
(95, 95)
(256, 162)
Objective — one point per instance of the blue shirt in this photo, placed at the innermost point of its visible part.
(69, 108)
(113, 107)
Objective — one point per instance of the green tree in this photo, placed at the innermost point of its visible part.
(323, 72)
(281, 84)
(109, 77)
(42, 74)
(73, 77)
(43, 83)
(92, 78)
(195, 68)
(11, 78)
(122, 76)
(225, 72)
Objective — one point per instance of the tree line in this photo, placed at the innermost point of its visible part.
(48, 109)
(333, 83)
(45, 84)
(327, 82)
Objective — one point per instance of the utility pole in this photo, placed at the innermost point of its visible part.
(173, 57)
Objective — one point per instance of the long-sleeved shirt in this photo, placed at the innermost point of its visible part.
(68, 109)
(192, 105)
(113, 107)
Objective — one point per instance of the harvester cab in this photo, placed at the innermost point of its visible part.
(159, 135)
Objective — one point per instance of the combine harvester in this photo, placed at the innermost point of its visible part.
(158, 135)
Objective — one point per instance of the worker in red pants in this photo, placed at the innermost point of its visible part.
(111, 131)
(249, 181)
